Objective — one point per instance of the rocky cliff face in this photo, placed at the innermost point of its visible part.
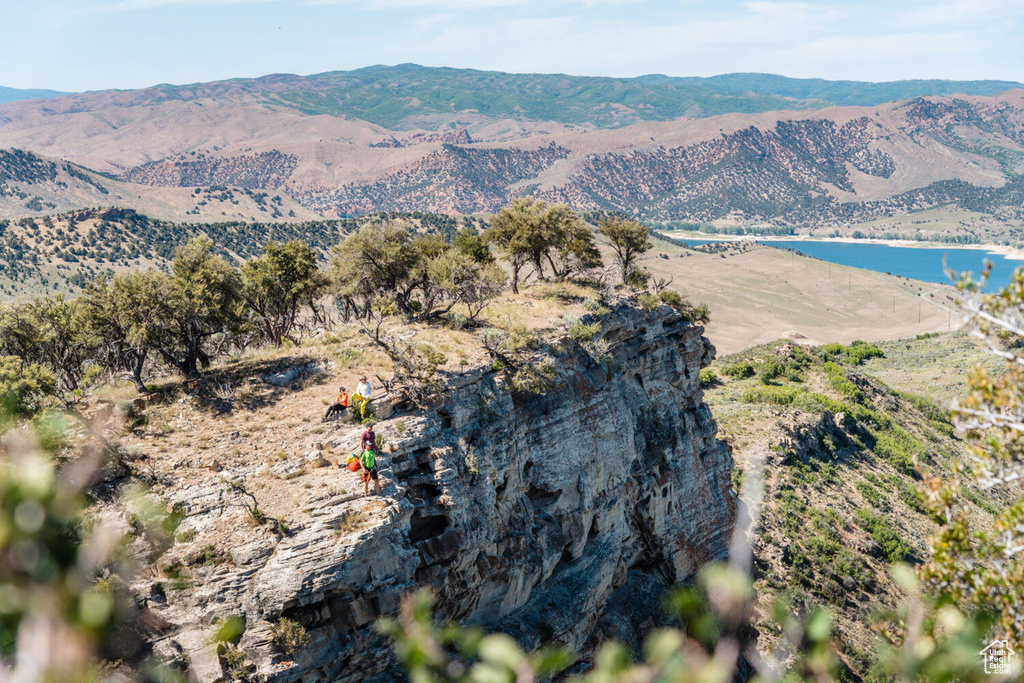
(556, 517)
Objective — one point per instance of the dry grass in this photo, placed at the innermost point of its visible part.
(230, 420)
(764, 294)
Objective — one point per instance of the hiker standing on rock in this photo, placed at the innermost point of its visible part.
(368, 442)
(369, 462)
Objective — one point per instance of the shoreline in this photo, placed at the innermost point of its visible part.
(1003, 250)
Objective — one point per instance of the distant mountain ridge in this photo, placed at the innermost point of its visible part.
(17, 94)
(852, 93)
(412, 138)
(407, 96)
(390, 96)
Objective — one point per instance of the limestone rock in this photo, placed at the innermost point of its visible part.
(286, 377)
(288, 469)
(316, 459)
(558, 516)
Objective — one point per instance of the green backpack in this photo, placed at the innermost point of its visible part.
(369, 459)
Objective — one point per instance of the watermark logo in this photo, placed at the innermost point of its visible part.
(997, 657)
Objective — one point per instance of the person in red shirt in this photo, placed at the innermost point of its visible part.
(340, 405)
(369, 440)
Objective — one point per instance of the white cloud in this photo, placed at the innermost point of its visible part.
(141, 5)
(793, 38)
(960, 11)
(465, 5)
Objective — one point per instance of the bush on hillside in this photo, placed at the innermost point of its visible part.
(740, 370)
(841, 383)
(893, 547)
(772, 394)
(24, 388)
(856, 353)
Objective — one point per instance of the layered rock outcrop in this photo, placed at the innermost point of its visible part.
(555, 517)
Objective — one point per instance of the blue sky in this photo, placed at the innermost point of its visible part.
(97, 44)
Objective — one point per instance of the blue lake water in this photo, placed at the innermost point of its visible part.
(918, 263)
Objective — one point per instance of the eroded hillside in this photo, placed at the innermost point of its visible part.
(336, 149)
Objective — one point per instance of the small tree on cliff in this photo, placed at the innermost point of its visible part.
(279, 284)
(124, 314)
(48, 331)
(530, 231)
(204, 297)
(628, 239)
(473, 244)
(423, 276)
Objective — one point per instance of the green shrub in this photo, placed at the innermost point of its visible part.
(24, 388)
(910, 496)
(816, 403)
(927, 407)
(649, 301)
(741, 370)
(289, 636)
(841, 383)
(770, 369)
(535, 378)
(872, 495)
(774, 395)
(894, 548)
(737, 480)
(699, 313)
(898, 447)
(595, 307)
(856, 353)
(584, 332)
(708, 377)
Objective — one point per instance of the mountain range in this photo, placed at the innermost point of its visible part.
(18, 94)
(413, 138)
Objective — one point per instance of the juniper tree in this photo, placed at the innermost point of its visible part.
(530, 231)
(628, 239)
(279, 284)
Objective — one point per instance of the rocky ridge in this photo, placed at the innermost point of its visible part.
(556, 517)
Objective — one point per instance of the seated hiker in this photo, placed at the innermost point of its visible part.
(340, 404)
(362, 395)
(369, 462)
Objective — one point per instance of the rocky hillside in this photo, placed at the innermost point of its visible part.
(456, 141)
(556, 516)
(264, 170)
(59, 252)
(835, 447)
(32, 185)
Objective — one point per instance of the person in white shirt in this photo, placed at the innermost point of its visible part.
(363, 393)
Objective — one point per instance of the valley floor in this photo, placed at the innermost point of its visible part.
(758, 294)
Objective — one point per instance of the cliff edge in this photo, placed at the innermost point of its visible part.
(555, 517)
